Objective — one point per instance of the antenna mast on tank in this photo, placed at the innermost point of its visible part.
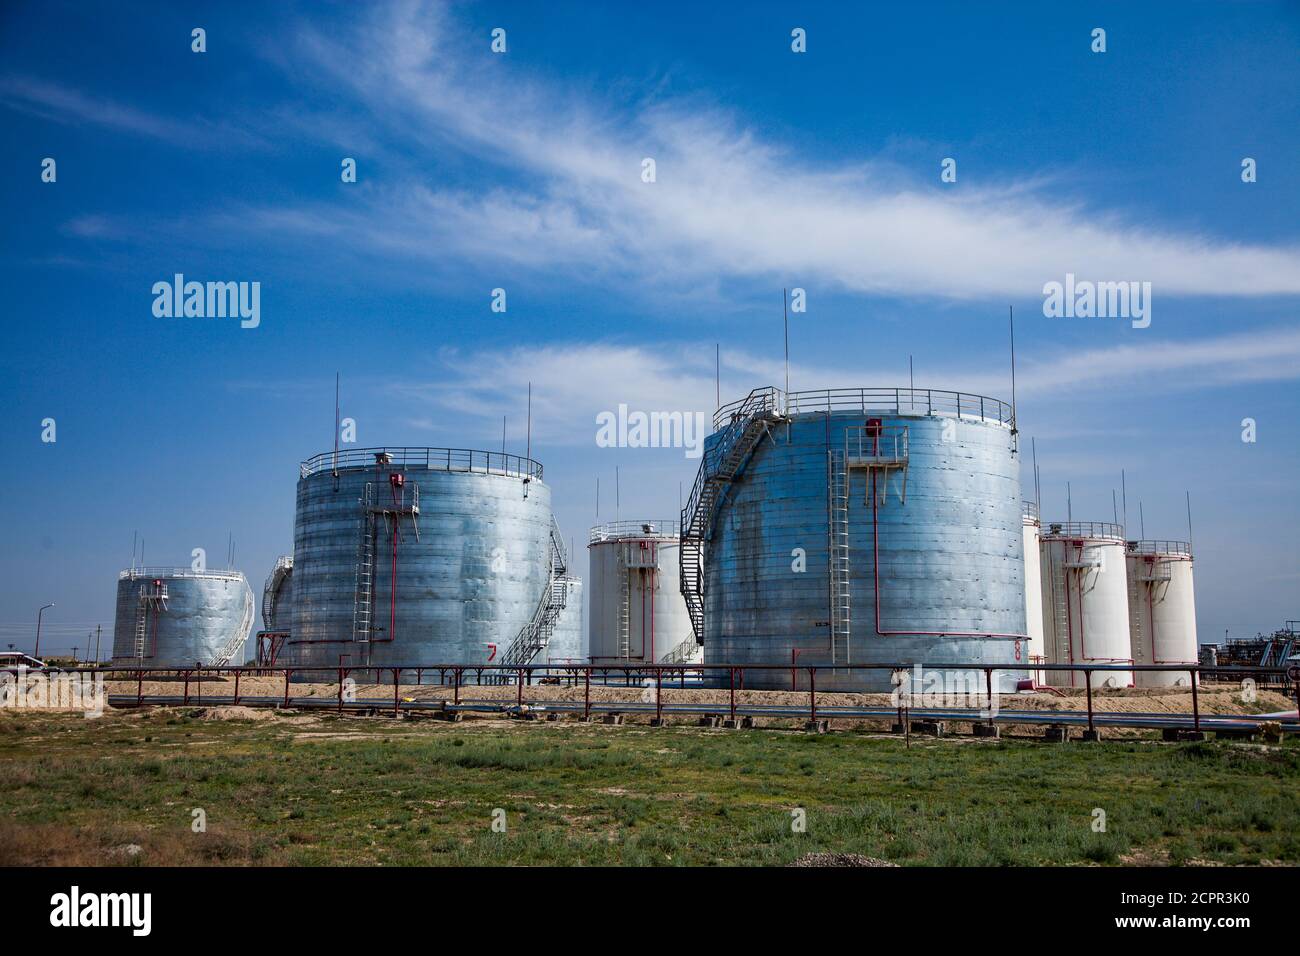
(529, 428)
(1011, 318)
(1123, 484)
(785, 314)
(1189, 519)
(1038, 496)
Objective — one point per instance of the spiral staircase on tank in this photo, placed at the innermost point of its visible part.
(534, 636)
(749, 423)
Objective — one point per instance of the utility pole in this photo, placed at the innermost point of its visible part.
(37, 652)
(98, 630)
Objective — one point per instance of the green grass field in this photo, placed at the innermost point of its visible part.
(327, 790)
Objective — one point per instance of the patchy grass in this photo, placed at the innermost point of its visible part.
(327, 790)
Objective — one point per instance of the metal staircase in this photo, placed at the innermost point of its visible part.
(534, 636)
(271, 589)
(721, 464)
(237, 639)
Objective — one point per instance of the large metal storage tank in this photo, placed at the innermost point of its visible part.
(1032, 528)
(422, 556)
(1162, 610)
(179, 617)
(568, 643)
(1085, 601)
(855, 526)
(638, 615)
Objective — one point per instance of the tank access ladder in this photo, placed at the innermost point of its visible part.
(722, 463)
(153, 597)
(837, 502)
(879, 450)
(373, 510)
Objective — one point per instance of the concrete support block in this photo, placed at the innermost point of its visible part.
(615, 719)
(930, 728)
(1056, 734)
(987, 730)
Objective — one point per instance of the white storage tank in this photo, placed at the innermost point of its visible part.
(638, 614)
(1032, 527)
(1162, 610)
(180, 617)
(1085, 601)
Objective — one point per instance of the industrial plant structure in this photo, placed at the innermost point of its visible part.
(1162, 610)
(857, 526)
(1085, 602)
(638, 615)
(423, 555)
(180, 617)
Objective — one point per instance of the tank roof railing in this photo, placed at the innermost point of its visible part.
(433, 459)
(1153, 546)
(615, 530)
(1083, 529)
(1029, 509)
(921, 401)
(134, 573)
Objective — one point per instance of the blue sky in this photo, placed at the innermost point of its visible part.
(522, 171)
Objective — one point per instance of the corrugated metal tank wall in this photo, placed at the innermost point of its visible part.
(1162, 610)
(950, 557)
(474, 577)
(1085, 601)
(568, 643)
(206, 611)
(635, 572)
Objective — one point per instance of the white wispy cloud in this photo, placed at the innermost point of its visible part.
(558, 188)
(725, 202)
(64, 104)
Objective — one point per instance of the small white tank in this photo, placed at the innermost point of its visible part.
(1085, 601)
(1162, 610)
(1033, 590)
(637, 614)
